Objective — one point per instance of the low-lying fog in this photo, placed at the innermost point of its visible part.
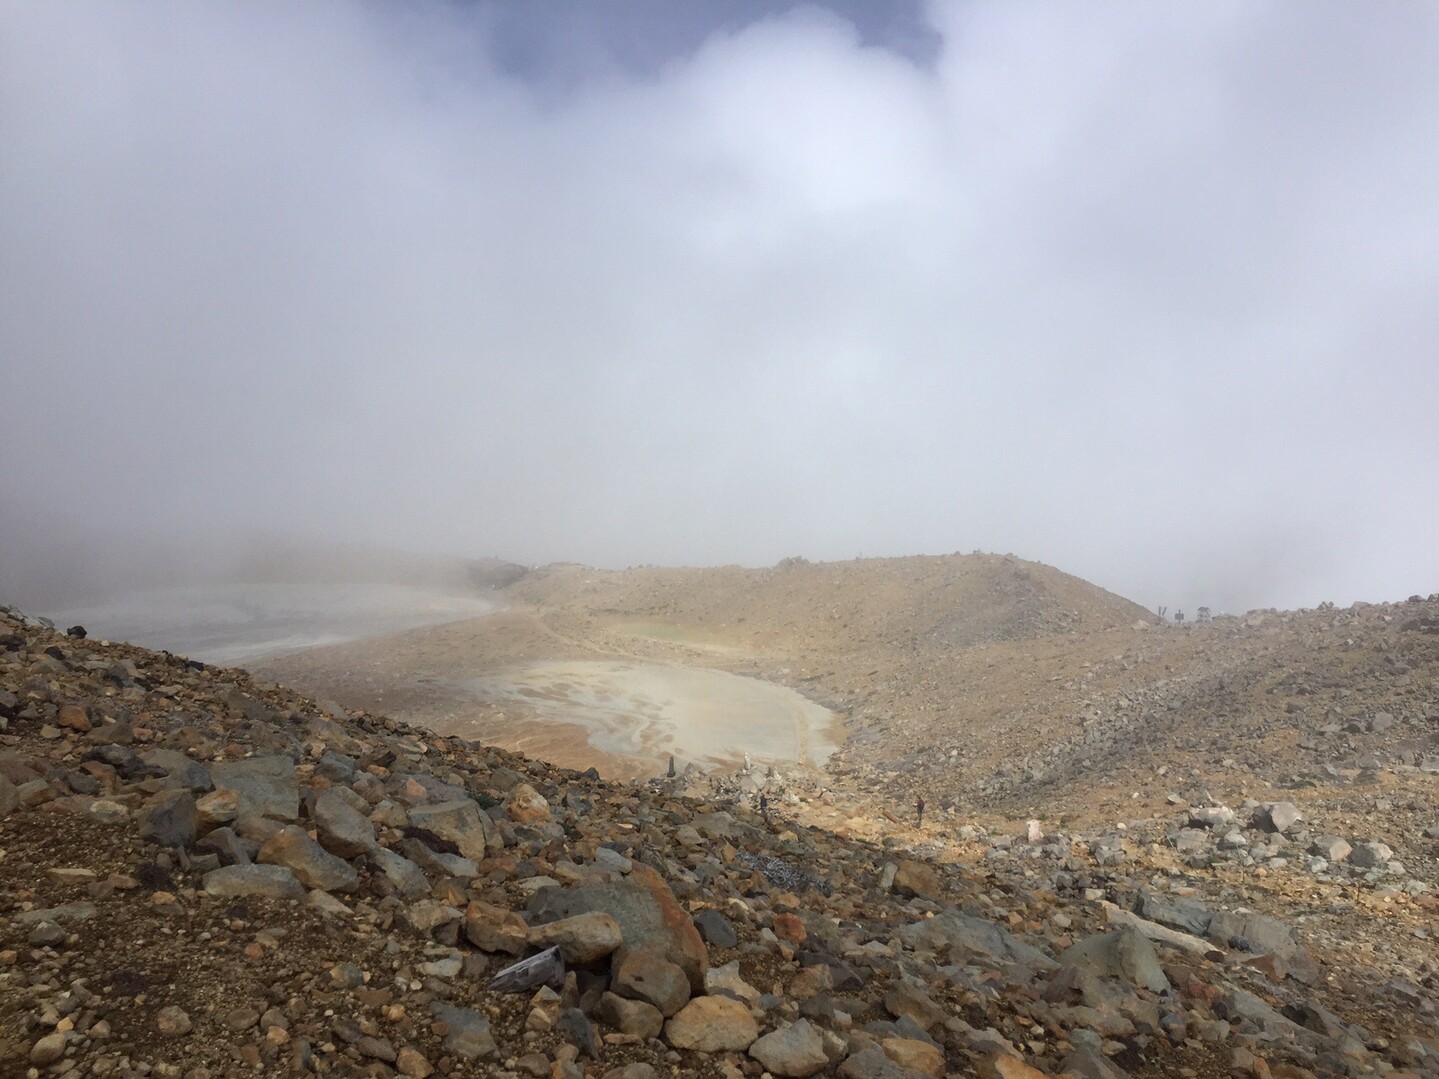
(233, 623)
(230, 601)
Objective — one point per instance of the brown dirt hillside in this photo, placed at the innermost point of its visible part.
(998, 689)
(854, 636)
(899, 604)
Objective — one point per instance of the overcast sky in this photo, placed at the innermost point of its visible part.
(1144, 291)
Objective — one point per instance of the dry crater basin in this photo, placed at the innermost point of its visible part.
(649, 711)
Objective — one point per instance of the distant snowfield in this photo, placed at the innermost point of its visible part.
(231, 624)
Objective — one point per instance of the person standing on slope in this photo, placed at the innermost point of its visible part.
(919, 810)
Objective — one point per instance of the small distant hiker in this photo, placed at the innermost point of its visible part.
(919, 811)
(764, 807)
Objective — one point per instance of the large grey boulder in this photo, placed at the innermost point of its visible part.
(266, 786)
(406, 877)
(715, 928)
(1253, 932)
(908, 999)
(872, 1063)
(1240, 1004)
(253, 709)
(1124, 953)
(340, 828)
(1277, 816)
(336, 767)
(1213, 817)
(645, 909)
(180, 769)
(574, 1026)
(965, 936)
(1186, 915)
(1331, 848)
(312, 864)
(466, 1033)
(1087, 1062)
(1192, 841)
(64, 914)
(795, 1050)
(231, 848)
(1371, 854)
(459, 823)
(170, 819)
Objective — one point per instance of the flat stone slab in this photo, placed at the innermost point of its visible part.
(269, 881)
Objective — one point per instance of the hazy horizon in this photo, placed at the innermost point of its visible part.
(1141, 292)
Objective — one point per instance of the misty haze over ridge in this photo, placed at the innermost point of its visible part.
(1142, 293)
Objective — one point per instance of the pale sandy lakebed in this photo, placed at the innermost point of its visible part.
(647, 710)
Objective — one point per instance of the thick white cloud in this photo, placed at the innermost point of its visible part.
(1143, 292)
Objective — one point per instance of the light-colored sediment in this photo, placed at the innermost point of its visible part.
(621, 701)
(650, 711)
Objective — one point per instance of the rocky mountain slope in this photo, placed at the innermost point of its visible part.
(988, 684)
(902, 604)
(892, 634)
(204, 874)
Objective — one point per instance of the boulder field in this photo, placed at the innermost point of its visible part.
(203, 875)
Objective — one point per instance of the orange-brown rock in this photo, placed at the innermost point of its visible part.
(913, 1053)
(688, 947)
(73, 717)
(789, 927)
(1006, 1066)
(494, 929)
(525, 805)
